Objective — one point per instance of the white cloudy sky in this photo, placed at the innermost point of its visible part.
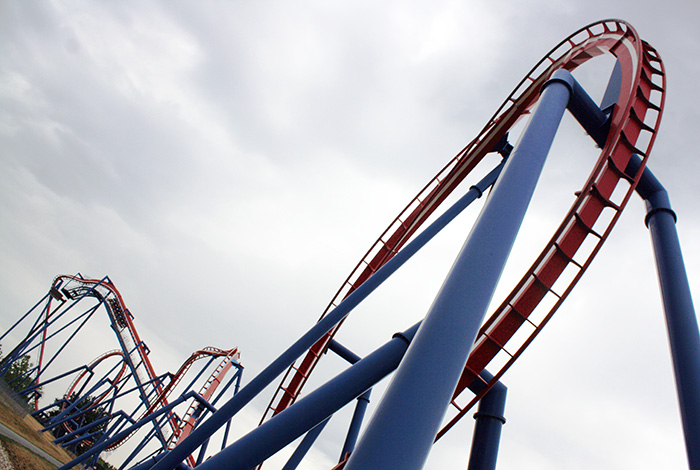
(227, 164)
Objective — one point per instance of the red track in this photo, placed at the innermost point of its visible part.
(635, 120)
(127, 331)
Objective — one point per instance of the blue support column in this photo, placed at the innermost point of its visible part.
(361, 406)
(304, 446)
(681, 321)
(303, 344)
(273, 435)
(96, 449)
(402, 431)
(355, 424)
(487, 430)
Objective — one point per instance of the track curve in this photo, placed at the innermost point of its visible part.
(134, 354)
(634, 123)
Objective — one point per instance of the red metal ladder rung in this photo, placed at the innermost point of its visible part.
(288, 393)
(649, 58)
(299, 372)
(640, 121)
(619, 171)
(502, 347)
(520, 314)
(545, 286)
(640, 94)
(598, 195)
(389, 248)
(568, 258)
(374, 270)
(588, 229)
(647, 79)
(626, 141)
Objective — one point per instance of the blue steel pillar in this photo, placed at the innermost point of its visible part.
(361, 406)
(306, 413)
(304, 446)
(402, 430)
(355, 424)
(487, 430)
(681, 322)
(273, 370)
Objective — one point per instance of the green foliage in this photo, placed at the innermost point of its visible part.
(17, 375)
(102, 465)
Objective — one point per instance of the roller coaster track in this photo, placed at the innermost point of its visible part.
(134, 353)
(634, 121)
(190, 417)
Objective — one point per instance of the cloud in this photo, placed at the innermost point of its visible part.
(227, 165)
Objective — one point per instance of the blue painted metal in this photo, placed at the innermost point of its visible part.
(586, 112)
(59, 321)
(21, 319)
(236, 381)
(355, 424)
(271, 436)
(487, 430)
(202, 452)
(148, 463)
(67, 411)
(397, 436)
(26, 346)
(96, 449)
(681, 321)
(343, 352)
(138, 449)
(279, 365)
(360, 407)
(304, 446)
(69, 339)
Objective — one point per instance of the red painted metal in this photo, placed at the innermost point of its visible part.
(189, 420)
(162, 391)
(637, 113)
(125, 321)
(122, 371)
(99, 399)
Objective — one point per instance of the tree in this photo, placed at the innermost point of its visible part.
(18, 378)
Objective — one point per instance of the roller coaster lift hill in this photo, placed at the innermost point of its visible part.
(459, 352)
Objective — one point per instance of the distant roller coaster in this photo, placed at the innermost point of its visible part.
(440, 364)
(94, 406)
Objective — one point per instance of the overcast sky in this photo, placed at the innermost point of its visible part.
(228, 163)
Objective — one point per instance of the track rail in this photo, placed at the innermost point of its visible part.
(114, 380)
(134, 349)
(134, 354)
(564, 259)
(190, 417)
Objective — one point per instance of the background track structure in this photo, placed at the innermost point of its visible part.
(59, 314)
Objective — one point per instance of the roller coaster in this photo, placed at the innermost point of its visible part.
(454, 359)
(93, 407)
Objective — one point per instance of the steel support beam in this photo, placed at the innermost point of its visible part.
(487, 430)
(355, 424)
(398, 436)
(360, 407)
(283, 428)
(681, 321)
(304, 446)
(303, 344)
